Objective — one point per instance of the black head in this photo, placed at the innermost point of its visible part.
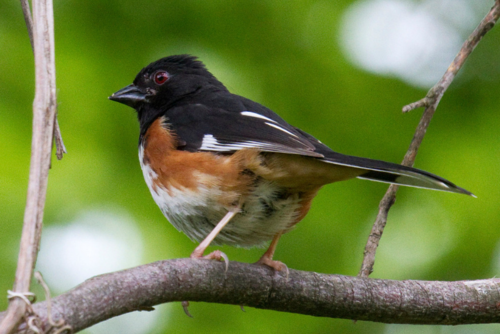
(163, 83)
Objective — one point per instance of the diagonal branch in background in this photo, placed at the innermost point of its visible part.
(25, 5)
(430, 102)
(336, 296)
(44, 111)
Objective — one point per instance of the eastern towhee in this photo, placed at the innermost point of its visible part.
(226, 170)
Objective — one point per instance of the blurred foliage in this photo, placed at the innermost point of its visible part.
(284, 55)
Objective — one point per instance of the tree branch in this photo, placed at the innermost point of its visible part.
(25, 5)
(430, 102)
(60, 147)
(336, 296)
(44, 110)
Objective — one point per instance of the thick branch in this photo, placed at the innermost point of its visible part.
(336, 296)
(430, 102)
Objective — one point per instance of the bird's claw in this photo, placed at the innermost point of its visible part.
(215, 255)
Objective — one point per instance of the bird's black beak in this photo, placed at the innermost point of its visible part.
(130, 96)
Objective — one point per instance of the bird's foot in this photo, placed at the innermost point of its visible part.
(276, 265)
(215, 255)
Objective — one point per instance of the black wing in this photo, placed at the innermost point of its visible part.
(215, 129)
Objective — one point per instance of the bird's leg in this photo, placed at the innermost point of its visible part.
(267, 258)
(216, 255)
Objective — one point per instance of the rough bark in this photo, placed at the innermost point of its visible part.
(335, 296)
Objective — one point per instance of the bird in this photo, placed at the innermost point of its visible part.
(224, 169)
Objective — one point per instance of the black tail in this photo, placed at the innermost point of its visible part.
(387, 172)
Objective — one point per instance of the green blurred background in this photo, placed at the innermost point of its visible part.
(340, 70)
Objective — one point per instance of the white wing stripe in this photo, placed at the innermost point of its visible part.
(210, 143)
(253, 114)
(280, 128)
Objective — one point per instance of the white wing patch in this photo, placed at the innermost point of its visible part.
(210, 143)
(254, 114)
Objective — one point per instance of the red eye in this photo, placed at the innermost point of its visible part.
(161, 77)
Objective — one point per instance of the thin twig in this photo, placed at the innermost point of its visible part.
(44, 110)
(59, 326)
(25, 5)
(430, 102)
(60, 148)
